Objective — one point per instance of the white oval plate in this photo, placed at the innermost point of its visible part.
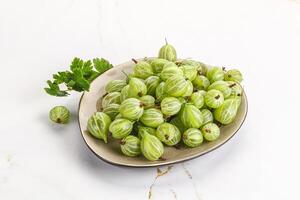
(111, 152)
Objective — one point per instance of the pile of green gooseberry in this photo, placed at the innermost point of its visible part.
(166, 101)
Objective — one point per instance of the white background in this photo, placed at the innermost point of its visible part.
(40, 160)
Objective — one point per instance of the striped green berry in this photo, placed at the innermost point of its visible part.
(170, 106)
(131, 146)
(131, 109)
(152, 117)
(98, 125)
(192, 137)
(120, 128)
(151, 147)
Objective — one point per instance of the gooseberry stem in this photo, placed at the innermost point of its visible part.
(199, 72)
(188, 98)
(166, 40)
(157, 106)
(232, 85)
(134, 60)
(162, 158)
(167, 118)
(125, 74)
(207, 130)
(218, 124)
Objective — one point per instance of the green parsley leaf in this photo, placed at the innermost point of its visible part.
(79, 78)
(101, 65)
(54, 90)
(76, 63)
(81, 84)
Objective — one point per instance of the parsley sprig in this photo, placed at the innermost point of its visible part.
(78, 78)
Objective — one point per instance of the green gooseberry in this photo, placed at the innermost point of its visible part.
(233, 75)
(170, 106)
(214, 98)
(188, 89)
(59, 114)
(168, 134)
(169, 72)
(131, 109)
(167, 52)
(176, 139)
(151, 147)
(152, 117)
(137, 88)
(160, 93)
(115, 86)
(169, 65)
(187, 62)
(98, 125)
(148, 101)
(238, 98)
(157, 64)
(124, 93)
(215, 74)
(142, 130)
(142, 70)
(112, 110)
(131, 146)
(222, 86)
(197, 99)
(110, 98)
(189, 71)
(201, 68)
(191, 116)
(210, 131)
(226, 113)
(201, 82)
(152, 82)
(236, 89)
(176, 86)
(120, 128)
(192, 137)
(207, 116)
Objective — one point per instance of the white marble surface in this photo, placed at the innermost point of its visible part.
(40, 160)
